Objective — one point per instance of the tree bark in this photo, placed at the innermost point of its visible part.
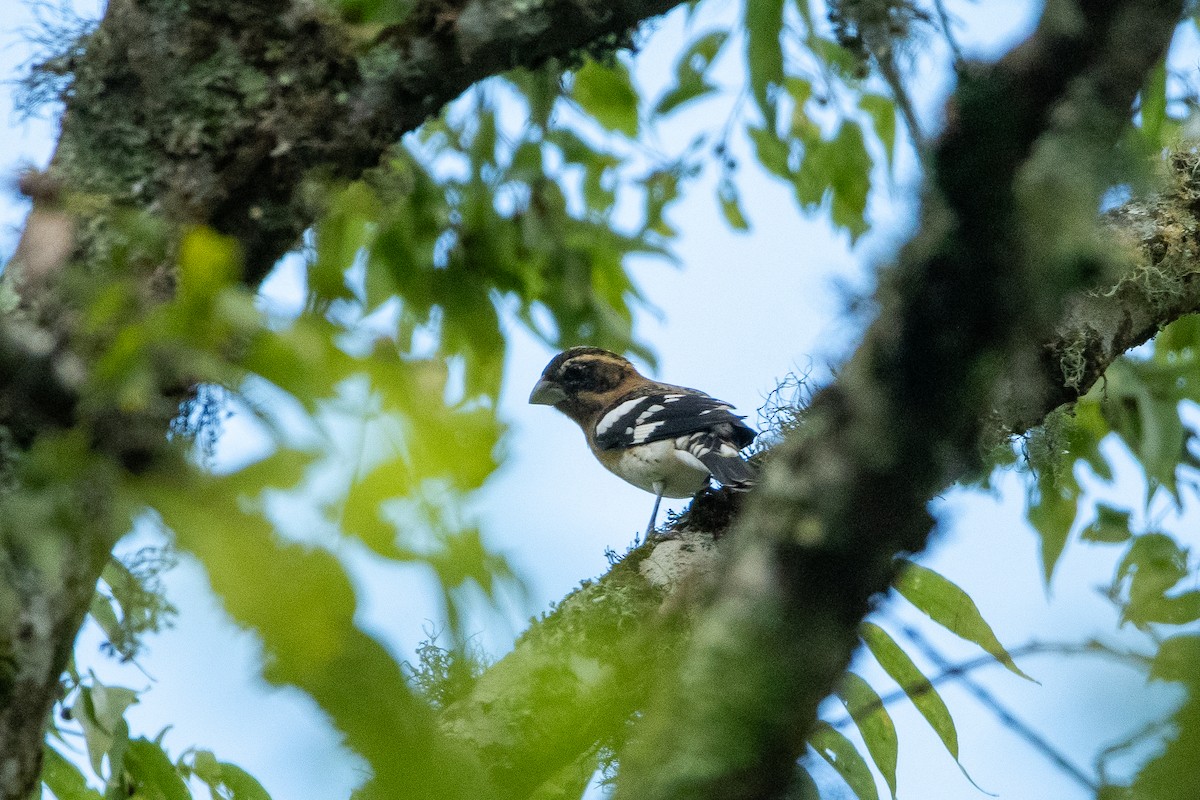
(1002, 245)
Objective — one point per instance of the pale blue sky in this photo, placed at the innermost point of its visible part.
(743, 311)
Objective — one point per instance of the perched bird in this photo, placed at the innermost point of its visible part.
(662, 438)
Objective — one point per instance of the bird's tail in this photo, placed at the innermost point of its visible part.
(724, 461)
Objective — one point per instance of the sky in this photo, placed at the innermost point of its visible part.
(742, 311)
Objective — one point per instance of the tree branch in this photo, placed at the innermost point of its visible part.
(837, 504)
(220, 113)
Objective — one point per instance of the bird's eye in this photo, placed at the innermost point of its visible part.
(575, 373)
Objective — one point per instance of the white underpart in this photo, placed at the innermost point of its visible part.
(680, 473)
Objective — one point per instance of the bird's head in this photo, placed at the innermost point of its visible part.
(580, 380)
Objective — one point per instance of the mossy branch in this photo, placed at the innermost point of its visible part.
(981, 285)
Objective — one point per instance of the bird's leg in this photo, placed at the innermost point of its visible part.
(658, 494)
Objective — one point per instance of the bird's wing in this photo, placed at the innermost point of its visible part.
(668, 415)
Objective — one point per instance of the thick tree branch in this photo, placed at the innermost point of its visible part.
(973, 291)
(221, 113)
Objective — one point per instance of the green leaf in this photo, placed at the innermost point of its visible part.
(238, 784)
(802, 127)
(302, 604)
(952, 608)
(882, 112)
(342, 233)
(1143, 409)
(662, 189)
(1176, 659)
(1181, 337)
(1177, 609)
(1084, 429)
(151, 774)
(1153, 105)
(207, 263)
(731, 206)
(772, 152)
(100, 711)
(375, 12)
(63, 778)
(849, 165)
(1153, 565)
(241, 784)
(1051, 511)
(874, 723)
(683, 93)
(912, 682)
(106, 617)
(361, 511)
(1110, 526)
(764, 53)
(607, 94)
(690, 83)
(841, 755)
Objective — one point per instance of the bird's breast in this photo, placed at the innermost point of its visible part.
(645, 465)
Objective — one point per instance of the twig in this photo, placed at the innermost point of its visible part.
(957, 671)
(1010, 721)
(945, 21)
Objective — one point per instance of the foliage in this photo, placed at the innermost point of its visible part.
(525, 202)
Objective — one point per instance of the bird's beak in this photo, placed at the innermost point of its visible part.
(546, 393)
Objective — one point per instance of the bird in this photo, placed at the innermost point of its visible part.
(665, 439)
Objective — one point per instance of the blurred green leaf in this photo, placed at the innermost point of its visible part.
(690, 70)
(874, 723)
(1142, 407)
(1052, 513)
(150, 774)
(226, 780)
(362, 506)
(1152, 566)
(912, 682)
(952, 608)
(802, 127)
(764, 53)
(882, 112)
(772, 152)
(345, 229)
(241, 784)
(63, 778)
(377, 12)
(1171, 773)
(607, 94)
(731, 206)
(1085, 429)
(848, 164)
(1153, 106)
(100, 711)
(1180, 338)
(1177, 659)
(103, 614)
(1110, 526)
(301, 602)
(208, 262)
(839, 752)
